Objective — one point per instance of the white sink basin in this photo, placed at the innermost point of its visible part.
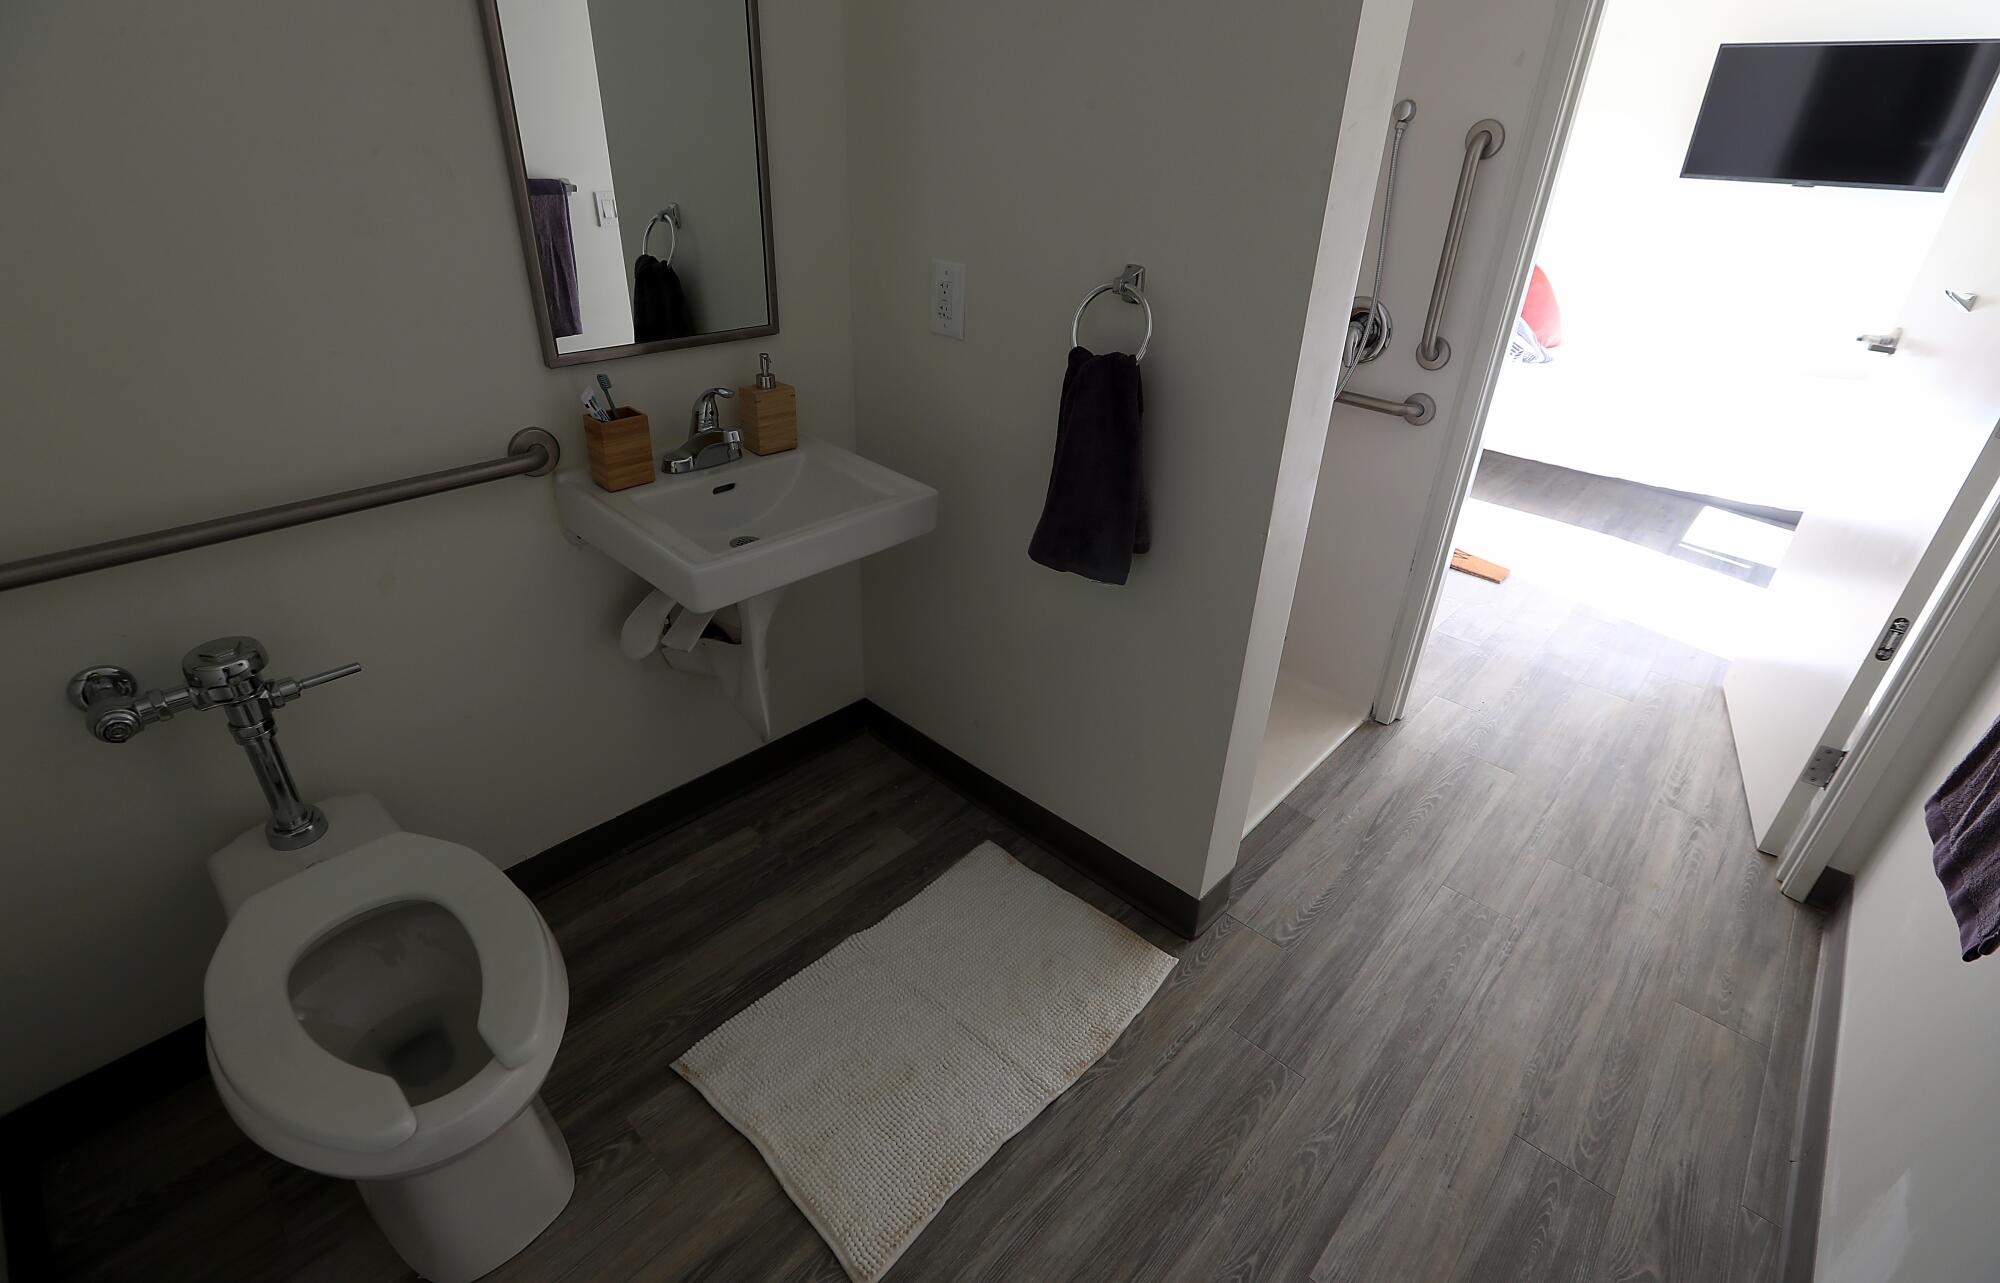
(712, 538)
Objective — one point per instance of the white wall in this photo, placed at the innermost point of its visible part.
(1909, 1172)
(1708, 327)
(1285, 725)
(678, 109)
(273, 253)
(552, 67)
(1045, 145)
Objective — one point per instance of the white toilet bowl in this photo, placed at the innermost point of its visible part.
(388, 1015)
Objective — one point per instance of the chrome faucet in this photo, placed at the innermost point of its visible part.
(708, 443)
(226, 674)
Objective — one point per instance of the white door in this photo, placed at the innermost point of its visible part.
(1909, 472)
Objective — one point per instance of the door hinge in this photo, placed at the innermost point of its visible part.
(1825, 761)
(1899, 627)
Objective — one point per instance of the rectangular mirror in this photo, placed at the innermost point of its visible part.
(636, 134)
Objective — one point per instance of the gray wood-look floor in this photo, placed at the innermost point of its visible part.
(1651, 518)
(1506, 995)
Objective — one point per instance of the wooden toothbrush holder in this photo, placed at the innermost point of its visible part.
(621, 451)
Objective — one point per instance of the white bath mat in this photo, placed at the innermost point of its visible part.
(880, 1078)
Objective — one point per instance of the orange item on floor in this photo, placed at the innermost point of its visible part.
(1478, 567)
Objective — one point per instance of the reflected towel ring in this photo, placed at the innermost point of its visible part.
(671, 216)
(1127, 287)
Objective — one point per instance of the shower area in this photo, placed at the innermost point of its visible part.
(1320, 700)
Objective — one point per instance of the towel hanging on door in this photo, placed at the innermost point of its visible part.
(1963, 819)
(555, 253)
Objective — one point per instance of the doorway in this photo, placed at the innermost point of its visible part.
(1682, 442)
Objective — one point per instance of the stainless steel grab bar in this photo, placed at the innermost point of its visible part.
(1482, 142)
(1416, 410)
(530, 453)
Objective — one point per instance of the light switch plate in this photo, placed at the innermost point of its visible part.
(607, 207)
(948, 299)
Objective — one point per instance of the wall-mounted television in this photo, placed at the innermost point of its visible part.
(1890, 114)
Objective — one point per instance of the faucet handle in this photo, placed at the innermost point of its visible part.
(704, 418)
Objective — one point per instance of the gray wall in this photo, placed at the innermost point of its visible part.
(258, 251)
(1044, 145)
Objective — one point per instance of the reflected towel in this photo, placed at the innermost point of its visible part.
(1096, 516)
(555, 253)
(1963, 818)
(660, 307)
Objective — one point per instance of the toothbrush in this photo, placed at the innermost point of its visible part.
(610, 401)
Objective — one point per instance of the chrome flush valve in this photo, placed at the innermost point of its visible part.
(226, 674)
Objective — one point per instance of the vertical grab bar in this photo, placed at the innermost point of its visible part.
(1482, 142)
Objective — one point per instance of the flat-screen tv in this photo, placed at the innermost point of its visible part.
(1891, 114)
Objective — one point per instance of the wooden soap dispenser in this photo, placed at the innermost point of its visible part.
(770, 412)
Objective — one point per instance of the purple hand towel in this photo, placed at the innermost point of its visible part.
(1096, 515)
(1963, 818)
(555, 253)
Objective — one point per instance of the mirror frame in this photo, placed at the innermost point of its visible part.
(517, 167)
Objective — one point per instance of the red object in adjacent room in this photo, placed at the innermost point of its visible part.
(1540, 311)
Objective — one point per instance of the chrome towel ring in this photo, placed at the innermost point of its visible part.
(1130, 286)
(671, 216)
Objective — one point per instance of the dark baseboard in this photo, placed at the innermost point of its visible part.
(1798, 1238)
(33, 1132)
(1110, 868)
(539, 874)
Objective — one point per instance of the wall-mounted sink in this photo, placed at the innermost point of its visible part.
(713, 538)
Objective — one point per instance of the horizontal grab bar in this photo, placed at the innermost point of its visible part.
(1418, 410)
(531, 453)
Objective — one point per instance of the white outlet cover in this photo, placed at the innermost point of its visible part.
(947, 298)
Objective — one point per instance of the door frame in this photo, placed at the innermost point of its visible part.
(1951, 644)
(1954, 634)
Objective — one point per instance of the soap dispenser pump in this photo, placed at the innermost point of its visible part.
(769, 411)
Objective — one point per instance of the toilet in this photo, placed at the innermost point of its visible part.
(383, 1007)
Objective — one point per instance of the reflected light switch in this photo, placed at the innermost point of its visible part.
(607, 207)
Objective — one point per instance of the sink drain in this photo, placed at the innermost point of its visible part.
(740, 540)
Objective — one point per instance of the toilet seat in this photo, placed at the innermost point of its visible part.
(279, 1071)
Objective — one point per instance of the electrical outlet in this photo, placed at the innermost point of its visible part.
(948, 299)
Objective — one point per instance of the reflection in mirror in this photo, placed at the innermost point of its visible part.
(636, 130)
